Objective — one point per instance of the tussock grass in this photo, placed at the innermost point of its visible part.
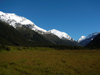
(43, 61)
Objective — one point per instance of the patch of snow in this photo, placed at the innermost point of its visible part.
(82, 38)
(91, 39)
(14, 17)
(36, 28)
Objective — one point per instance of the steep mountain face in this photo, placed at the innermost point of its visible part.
(95, 43)
(86, 40)
(61, 35)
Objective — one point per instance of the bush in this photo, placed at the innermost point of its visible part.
(3, 47)
(19, 48)
(7, 48)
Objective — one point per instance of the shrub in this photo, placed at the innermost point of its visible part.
(7, 48)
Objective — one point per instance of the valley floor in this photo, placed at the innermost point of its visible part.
(54, 62)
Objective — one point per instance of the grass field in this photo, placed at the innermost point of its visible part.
(46, 61)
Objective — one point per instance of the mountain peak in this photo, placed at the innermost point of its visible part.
(17, 21)
(82, 38)
(61, 35)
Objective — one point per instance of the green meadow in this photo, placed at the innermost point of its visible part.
(48, 61)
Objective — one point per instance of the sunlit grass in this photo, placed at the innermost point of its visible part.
(49, 62)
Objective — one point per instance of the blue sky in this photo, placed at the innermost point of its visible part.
(75, 17)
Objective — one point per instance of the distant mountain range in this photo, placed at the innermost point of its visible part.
(92, 40)
(19, 31)
(95, 43)
(24, 31)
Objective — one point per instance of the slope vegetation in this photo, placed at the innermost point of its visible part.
(9, 36)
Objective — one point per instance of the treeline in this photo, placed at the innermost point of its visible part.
(66, 47)
(3, 47)
(60, 47)
(56, 47)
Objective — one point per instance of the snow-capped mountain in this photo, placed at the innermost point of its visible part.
(17, 21)
(86, 40)
(61, 35)
(95, 43)
(81, 38)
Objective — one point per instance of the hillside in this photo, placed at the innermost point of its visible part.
(31, 35)
(9, 36)
(85, 40)
(95, 43)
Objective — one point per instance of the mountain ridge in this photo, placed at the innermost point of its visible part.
(61, 35)
(18, 21)
(85, 40)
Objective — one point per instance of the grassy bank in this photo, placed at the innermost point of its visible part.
(47, 61)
